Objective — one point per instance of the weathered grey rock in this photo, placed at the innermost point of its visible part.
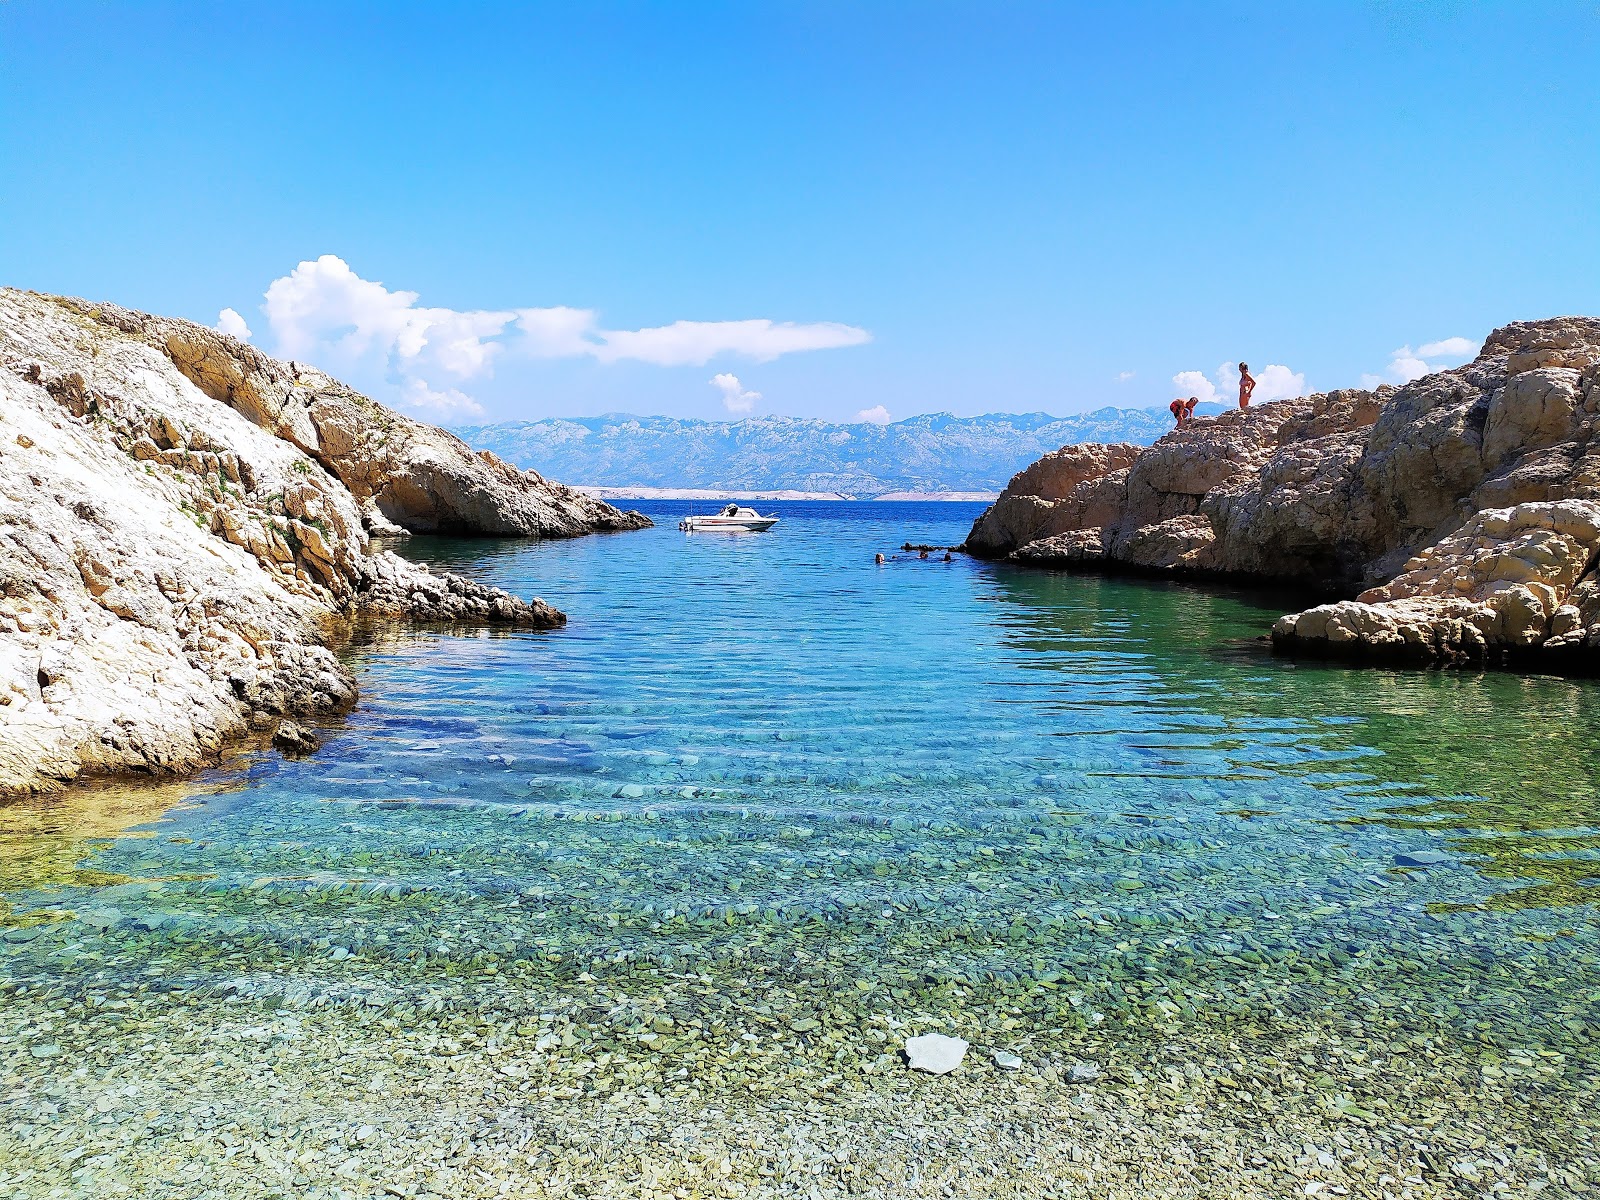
(169, 564)
(935, 1053)
(293, 738)
(1460, 514)
(1083, 1072)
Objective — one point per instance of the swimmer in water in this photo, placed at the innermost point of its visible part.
(1247, 384)
(880, 559)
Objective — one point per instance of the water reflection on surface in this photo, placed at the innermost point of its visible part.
(1503, 769)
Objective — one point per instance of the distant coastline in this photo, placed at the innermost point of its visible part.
(926, 456)
(601, 492)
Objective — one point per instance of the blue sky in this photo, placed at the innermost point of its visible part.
(971, 207)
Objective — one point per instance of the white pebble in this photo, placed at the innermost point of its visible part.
(935, 1053)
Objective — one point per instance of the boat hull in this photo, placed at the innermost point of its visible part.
(727, 524)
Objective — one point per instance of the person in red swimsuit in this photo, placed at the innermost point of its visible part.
(1179, 411)
(1247, 384)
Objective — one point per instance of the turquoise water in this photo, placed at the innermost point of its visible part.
(1075, 809)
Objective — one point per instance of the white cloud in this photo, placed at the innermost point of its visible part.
(1452, 347)
(876, 415)
(734, 397)
(448, 402)
(555, 332)
(324, 311)
(1124, 376)
(232, 324)
(1273, 382)
(1195, 383)
(695, 343)
(1406, 364)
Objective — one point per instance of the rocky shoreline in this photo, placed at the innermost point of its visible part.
(183, 522)
(1455, 520)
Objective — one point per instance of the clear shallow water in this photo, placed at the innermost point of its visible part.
(981, 798)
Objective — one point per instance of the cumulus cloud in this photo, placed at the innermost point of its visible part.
(695, 343)
(1273, 382)
(876, 415)
(232, 324)
(444, 402)
(1406, 364)
(734, 398)
(1452, 347)
(324, 311)
(1195, 383)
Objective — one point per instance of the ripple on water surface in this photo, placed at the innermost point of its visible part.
(959, 792)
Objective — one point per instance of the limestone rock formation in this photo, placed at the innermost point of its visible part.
(412, 476)
(170, 564)
(1459, 514)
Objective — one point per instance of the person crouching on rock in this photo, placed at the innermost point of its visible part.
(1247, 384)
(1188, 408)
(1177, 410)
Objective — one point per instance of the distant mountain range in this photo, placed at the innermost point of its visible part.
(936, 452)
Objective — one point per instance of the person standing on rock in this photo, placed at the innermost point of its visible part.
(1247, 384)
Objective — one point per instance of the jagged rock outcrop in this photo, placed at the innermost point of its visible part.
(1460, 514)
(170, 565)
(414, 476)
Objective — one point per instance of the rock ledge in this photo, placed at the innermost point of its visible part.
(1454, 520)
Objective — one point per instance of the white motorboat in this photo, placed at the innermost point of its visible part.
(735, 517)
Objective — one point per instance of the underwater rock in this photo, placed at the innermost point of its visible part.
(1421, 858)
(1006, 1061)
(294, 739)
(935, 1053)
(1083, 1072)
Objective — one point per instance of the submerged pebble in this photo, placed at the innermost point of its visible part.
(1421, 858)
(935, 1053)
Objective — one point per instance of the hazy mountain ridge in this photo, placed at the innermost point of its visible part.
(934, 452)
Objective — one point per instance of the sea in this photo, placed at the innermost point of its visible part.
(1063, 813)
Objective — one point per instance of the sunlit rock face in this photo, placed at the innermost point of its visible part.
(180, 516)
(1460, 514)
